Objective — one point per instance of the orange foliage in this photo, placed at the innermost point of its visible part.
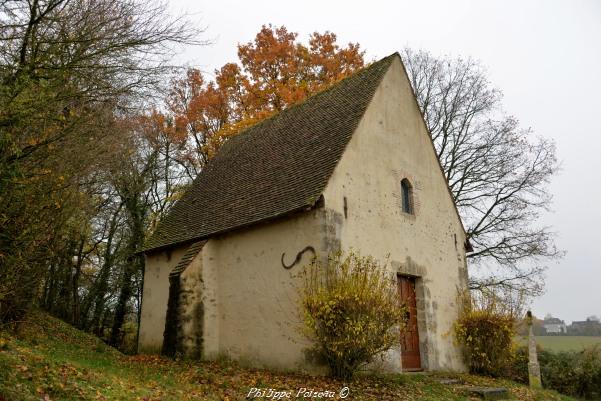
(274, 72)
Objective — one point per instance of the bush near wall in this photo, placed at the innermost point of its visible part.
(574, 373)
(485, 330)
(352, 311)
(486, 338)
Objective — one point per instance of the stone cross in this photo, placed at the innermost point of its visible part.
(533, 366)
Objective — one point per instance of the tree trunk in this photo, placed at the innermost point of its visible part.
(121, 309)
(100, 289)
(135, 262)
(75, 307)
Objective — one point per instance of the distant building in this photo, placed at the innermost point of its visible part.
(554, 325)
(588, 327)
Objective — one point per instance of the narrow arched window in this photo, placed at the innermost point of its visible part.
(407, 196)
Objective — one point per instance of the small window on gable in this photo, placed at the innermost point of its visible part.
(407, 196)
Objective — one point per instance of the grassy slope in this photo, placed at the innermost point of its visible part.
(49, 360)
(564, 343)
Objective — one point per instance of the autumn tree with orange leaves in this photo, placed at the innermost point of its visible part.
(274, 72)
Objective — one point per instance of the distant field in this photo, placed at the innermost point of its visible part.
(563, 343)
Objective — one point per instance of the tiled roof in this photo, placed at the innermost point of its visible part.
(275, 167)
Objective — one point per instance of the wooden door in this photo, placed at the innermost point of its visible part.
(410, 356)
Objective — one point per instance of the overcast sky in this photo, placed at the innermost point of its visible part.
(544, 55)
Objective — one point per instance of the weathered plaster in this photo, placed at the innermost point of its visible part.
(237, 299)
(191, 313)
(155, 296)
(258, 315)
(391, 143)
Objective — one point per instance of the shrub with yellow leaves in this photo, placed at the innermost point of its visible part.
(485, 329)
(352, 311)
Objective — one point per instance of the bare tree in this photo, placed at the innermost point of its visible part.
(68, 70)
(497, 171)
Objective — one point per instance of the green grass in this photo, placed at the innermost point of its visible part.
(50, 361)
(563, 343)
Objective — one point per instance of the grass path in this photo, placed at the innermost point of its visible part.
(50, 361)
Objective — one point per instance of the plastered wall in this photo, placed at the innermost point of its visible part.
(257, 309)
(154, 298)
(238, 293)
(391, 143)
